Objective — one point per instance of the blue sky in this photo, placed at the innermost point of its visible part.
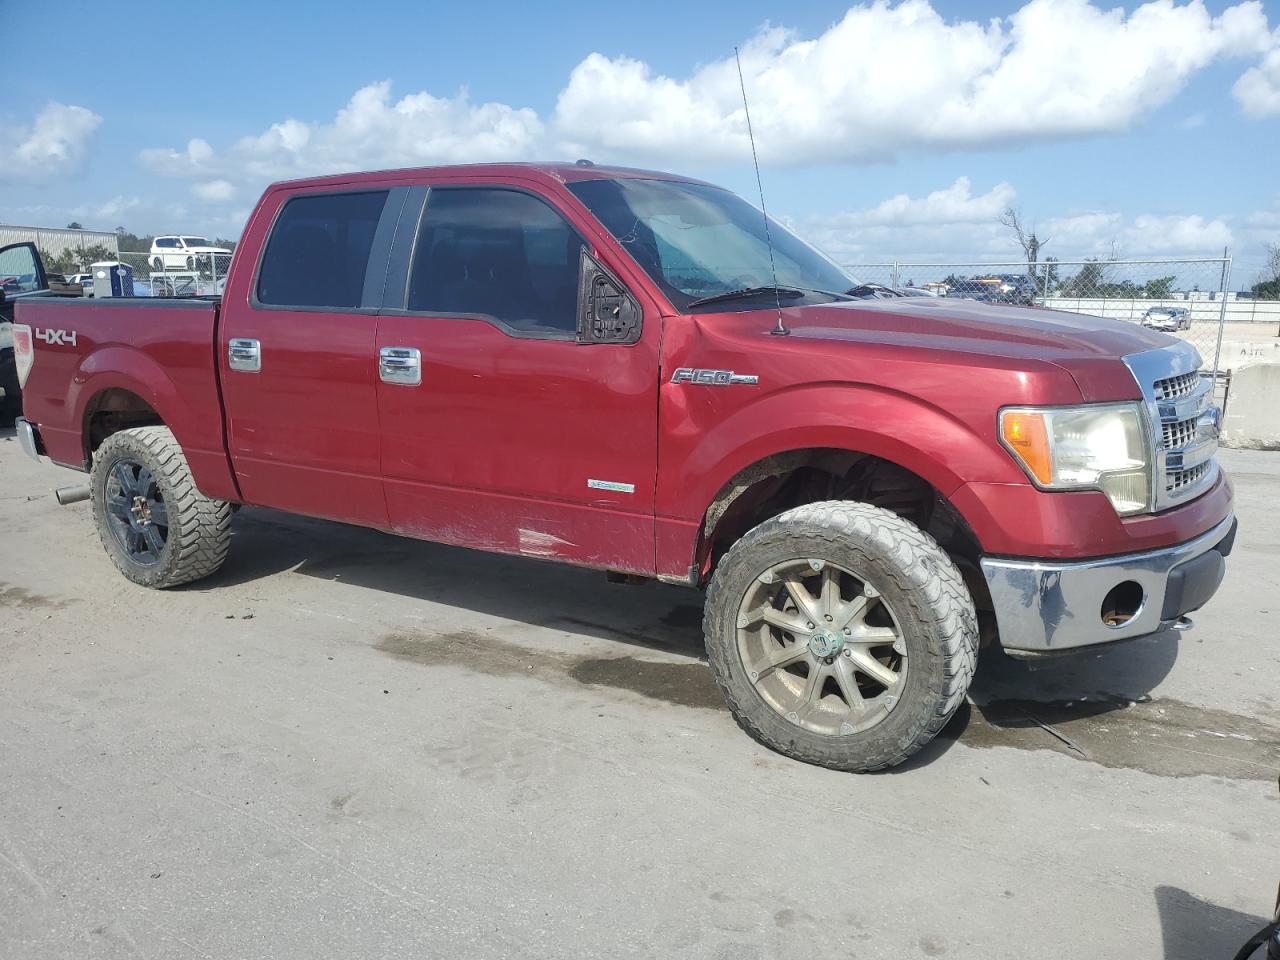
(892, 131)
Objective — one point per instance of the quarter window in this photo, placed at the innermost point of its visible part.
(497, 253)
(318, 252)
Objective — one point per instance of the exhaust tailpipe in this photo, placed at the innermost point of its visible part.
(69, 495)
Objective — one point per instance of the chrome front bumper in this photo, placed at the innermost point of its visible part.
(1047, 606)
(27, 438)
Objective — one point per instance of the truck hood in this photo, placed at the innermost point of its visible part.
(1089, 348)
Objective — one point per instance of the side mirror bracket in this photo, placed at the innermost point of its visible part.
(607, 313)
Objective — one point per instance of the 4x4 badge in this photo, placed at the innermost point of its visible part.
(712, 378)
(56, 337)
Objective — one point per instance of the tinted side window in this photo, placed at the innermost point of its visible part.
(497, 253)
(318, 251)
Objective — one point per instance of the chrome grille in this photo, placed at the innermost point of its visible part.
(1171, 388)
(1184, 422)
(1179, 433)
(1179, 479)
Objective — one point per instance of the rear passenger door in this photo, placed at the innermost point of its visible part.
(499, 429)
(297, 353)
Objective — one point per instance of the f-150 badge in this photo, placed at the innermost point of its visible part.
(712, 378)
(56, 337)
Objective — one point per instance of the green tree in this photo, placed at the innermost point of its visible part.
(1086, 282)
(1267, 289)
(76, 259)
(1161, 288)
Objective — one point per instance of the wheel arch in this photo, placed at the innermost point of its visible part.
(777, 482)
(111, 410)
(122, 379)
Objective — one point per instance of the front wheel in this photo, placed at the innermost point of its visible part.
(841, 635)
(157, 528)
(157, 264)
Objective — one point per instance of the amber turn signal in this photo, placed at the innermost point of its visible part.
(1027, 436)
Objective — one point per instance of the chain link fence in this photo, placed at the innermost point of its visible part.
(195, 275)
(1186, 298)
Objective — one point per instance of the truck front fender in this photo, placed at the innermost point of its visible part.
(903, 429)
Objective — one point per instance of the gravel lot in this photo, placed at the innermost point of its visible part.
(348, 744)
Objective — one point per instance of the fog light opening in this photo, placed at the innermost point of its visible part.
(1122, 603)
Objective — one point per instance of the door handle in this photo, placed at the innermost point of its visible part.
(400, 365)
(244, 355)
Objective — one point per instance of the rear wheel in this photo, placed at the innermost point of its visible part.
(841, 635)
(158, 529)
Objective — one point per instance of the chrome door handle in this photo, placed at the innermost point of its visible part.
(400, 365)
(244, 355)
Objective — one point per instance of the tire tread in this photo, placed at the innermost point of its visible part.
(923, 566)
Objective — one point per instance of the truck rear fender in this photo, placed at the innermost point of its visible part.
(104, 383)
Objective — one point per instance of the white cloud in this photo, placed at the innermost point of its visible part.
(369, 132)
(954, 225)
(883, 81)
(951, 223)
(1179, 235)
(955, 204)
(213, 191)
(54, 145)
(1258, 90)
(111, 209)
(888, 79)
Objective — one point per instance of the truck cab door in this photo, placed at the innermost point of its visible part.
(296, 353)
(501, 428)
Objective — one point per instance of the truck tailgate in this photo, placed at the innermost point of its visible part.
(161, 351)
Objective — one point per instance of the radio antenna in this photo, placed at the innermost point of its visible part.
(781, 329)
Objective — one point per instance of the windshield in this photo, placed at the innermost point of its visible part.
(195, 241)
(698, 241)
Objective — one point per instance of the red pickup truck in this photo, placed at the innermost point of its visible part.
(615, 368)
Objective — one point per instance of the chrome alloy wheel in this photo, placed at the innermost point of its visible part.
(822, 647)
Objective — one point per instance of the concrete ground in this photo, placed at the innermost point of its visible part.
(351, 745)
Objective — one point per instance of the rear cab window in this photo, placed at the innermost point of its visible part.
(318, 253)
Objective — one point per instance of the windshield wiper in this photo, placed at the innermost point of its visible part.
(789, 292)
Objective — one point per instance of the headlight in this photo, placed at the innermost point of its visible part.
(1096, 447)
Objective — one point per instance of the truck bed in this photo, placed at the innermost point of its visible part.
(95, 357)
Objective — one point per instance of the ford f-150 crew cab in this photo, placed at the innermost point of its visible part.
(611, 368)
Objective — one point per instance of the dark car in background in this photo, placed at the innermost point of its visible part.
(21, 275)
(1015, 288)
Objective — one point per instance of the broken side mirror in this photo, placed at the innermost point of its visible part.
(606, 312)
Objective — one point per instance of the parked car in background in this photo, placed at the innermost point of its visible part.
(1167, 319)
(878, 291)
(184, 253)
(21, 276)
(84, 280)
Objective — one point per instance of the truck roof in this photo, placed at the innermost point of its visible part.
(562, 171)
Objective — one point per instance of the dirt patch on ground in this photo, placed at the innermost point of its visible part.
(1162, 737)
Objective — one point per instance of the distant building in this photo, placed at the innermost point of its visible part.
(58, 240)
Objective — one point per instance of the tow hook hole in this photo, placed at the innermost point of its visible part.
(1122, 603)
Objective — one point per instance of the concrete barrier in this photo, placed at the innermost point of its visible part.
(1253, 408)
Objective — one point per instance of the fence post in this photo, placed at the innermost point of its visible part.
(1222, 313)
